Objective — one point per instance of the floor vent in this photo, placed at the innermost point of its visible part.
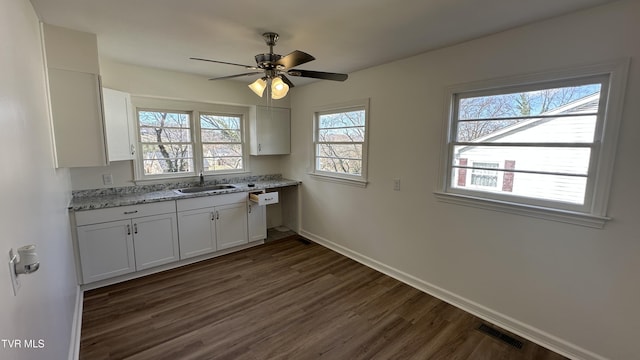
(500, 336)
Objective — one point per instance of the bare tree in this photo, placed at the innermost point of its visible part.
(481, 116)
(223, 132)
(341, 136)
(169, 137)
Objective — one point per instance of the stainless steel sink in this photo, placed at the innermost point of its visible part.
(198, 189)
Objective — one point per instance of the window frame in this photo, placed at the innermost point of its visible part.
(594, 212)
(202, 144)
(141, 103)
(140, 144)
(349, 179)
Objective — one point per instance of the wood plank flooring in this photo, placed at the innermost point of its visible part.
(283, 300)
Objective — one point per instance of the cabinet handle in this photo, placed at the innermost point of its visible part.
(130, 212)
(135, 228)
(217, 215)
(128, 229)
(259, 147)
(213, 217)
(133, 149)
(249, 208)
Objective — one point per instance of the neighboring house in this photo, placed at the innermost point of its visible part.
(579, 127)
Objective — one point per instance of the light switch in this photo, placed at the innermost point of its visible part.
(396, 184)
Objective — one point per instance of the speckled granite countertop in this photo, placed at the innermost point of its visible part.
(134, 195)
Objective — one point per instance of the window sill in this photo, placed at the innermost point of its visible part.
(563, 216)
(340, 180)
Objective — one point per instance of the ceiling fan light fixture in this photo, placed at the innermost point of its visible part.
(274, 68)
(258, 86)
(279, 88)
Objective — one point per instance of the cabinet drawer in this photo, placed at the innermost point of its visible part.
(209, 201)
(264, 198)
(124, 212)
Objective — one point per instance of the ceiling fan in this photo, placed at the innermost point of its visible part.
(274, 69)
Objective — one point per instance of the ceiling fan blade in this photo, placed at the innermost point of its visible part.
(318, 75)
(237, 75)
(250, 67)
(286, 80)
(294, 59)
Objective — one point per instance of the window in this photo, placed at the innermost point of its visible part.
(165, 139)
(221, 137)
(340, 142)
(482, 176)
(189, 138)
(535, 145)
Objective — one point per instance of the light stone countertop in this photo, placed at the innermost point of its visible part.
(99, 199)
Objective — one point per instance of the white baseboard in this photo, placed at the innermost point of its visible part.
(517, 327)
(76, 327)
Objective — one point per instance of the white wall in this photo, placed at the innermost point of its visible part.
(142, 81)
(34, 197)
(573, 288)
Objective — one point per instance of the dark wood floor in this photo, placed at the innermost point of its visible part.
(283, 300)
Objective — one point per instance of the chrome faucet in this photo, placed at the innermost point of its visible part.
(201, 179)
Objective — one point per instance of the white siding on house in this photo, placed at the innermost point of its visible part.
(559, 160)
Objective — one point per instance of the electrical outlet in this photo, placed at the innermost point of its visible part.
(396, 184)
(107, 179)
(15, 282)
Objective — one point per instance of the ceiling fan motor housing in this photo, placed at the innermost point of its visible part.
(267, 61)
(277, 66)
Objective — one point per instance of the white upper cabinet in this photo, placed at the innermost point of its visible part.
(270, 131)
(75, 97)
(119, 124)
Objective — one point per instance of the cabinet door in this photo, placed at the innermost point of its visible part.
(155, 240)
(118, 119)
(106, 250)
(257, 221)
(231, 225)
(76, 112)
(197, 230)
(273, 131)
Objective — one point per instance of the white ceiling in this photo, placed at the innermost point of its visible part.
(343, 35)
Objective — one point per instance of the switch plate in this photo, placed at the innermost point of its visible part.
(15, 283)
(107, 179)
(396, 184)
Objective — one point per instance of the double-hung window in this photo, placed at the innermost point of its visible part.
(221, 138)
(540, 145)
(165, 138)
(180, 139)
(340, 142)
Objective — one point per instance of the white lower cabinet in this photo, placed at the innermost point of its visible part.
(197, 232)
(121, 240)
(211, 223)
(106, 250)
(155, 240)
(257, 221)
(111, 242)
(231, 225)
